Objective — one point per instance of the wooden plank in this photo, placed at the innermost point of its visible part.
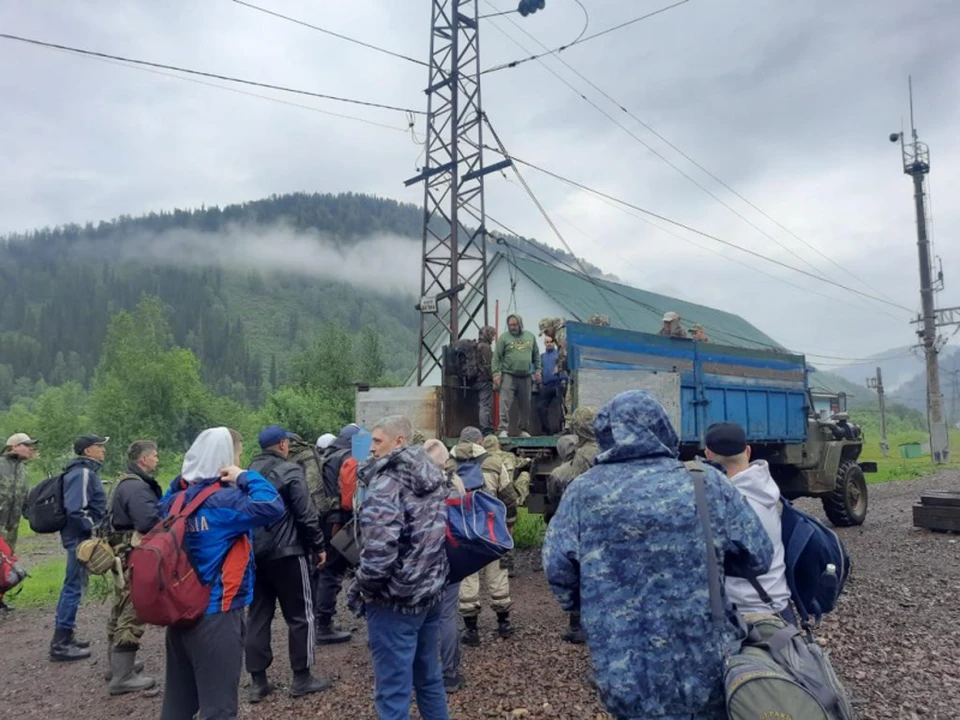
(941, 498)
(946, 519)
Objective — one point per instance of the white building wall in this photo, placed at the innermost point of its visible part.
(530, 302)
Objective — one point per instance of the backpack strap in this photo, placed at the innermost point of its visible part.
(270, 466)
(713, 571)
(177, 510)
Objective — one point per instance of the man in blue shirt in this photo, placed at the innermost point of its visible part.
(552, 389)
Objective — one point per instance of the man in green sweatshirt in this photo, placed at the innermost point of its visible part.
(516, 357)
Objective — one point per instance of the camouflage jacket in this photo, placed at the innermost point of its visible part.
(14, 486)
(626, 548)
(403, 524)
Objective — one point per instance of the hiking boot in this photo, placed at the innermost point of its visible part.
(126, 679)
(503, 434)
(504, 628)
(82, 644)
(329, 635)
(306, 684)
(260, 687)
(454, 684)
(524, 434)
(4, 608)
(61, 650)
(471, 633)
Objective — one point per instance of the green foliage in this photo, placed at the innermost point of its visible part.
(42, 588)
(61, 418)
(529, 530)
(370, 357)
(308, 411)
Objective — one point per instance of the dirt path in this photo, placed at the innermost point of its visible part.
(895, 639)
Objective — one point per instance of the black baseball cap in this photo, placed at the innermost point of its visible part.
(726, 439)
(85, 441)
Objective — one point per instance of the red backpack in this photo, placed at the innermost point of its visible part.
(164, 585)
(11, 574)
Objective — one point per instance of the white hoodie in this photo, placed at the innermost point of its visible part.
(762, 493)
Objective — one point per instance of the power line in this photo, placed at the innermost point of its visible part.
(663, 139)
(702, 233)
(331, 32)
(215, 76)
(580, 39)
(409, 128)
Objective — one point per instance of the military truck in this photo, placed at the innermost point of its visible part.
(765, 391)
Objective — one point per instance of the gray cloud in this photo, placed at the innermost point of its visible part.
(789, 103)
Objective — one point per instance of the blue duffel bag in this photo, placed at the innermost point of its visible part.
(477, 533)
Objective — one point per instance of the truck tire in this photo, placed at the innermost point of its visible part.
(847, 504)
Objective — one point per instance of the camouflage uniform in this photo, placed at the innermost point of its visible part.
(581, 425)
(498, 482)
(626, 549)
(14, 486)
(601, 320)
(521, 480)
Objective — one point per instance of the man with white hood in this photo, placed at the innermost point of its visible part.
(204, 661)
(726, 445)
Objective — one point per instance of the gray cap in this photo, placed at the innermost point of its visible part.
(471, 434)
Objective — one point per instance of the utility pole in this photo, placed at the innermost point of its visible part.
(876, 383)
(453, 281)
(916, 163)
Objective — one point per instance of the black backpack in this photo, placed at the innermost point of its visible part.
(467, 360)
(44, 508)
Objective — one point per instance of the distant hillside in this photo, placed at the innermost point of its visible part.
(913, 393)
(247, 286)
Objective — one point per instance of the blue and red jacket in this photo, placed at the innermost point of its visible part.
(220, 534)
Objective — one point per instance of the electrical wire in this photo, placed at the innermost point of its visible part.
(215, 76)
(696, 231)
(361, 43)
(580, 38)
(255, 95)
(683, 154)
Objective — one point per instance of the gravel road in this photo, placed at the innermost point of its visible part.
(895, 640)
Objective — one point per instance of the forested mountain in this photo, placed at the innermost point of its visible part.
(246, 287)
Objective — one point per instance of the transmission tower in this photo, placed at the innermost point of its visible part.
(453, 284)
(916, 163)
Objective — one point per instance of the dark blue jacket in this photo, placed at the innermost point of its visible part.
(549, 360)
(83, 498)
(220, 534)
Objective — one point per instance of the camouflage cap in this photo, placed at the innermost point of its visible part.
(582, 422)
(418, 438)
(487, 334)
(491, 442)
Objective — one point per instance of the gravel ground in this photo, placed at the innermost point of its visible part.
(895, 640)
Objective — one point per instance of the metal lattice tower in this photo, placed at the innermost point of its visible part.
(453, 286)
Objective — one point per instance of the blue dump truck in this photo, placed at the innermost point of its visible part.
(699, 384)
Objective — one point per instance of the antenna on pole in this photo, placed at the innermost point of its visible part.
(913, 126)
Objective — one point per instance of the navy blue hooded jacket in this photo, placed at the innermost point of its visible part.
(84, 500)
(627, 549)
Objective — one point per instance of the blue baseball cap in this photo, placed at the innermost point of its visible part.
(273, 434)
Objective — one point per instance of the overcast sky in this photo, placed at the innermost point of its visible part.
(788, 103)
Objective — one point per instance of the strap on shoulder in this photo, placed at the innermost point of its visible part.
(179, 511)
(713, 571)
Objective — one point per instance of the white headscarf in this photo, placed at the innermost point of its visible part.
(323, 442)
(212, 450)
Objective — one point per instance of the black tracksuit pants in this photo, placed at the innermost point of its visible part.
(287, 580)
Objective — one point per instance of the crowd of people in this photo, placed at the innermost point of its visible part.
(261, 540)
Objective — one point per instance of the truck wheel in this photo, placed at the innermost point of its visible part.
(847, 504)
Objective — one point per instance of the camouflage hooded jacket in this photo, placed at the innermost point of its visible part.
(626, 547)
(403, 523)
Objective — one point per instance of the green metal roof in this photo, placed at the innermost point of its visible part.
(633, 309)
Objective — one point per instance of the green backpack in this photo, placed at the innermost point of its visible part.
(778, 672)
(308, 457)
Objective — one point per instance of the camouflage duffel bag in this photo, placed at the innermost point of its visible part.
(780, 673)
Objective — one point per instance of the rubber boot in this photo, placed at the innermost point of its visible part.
(471, 633)
(108, 671)
(260, 687)
(503, 624)
(126, 679)
(327, 634)
(574, 633)
(306, 684)
(61, 650)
